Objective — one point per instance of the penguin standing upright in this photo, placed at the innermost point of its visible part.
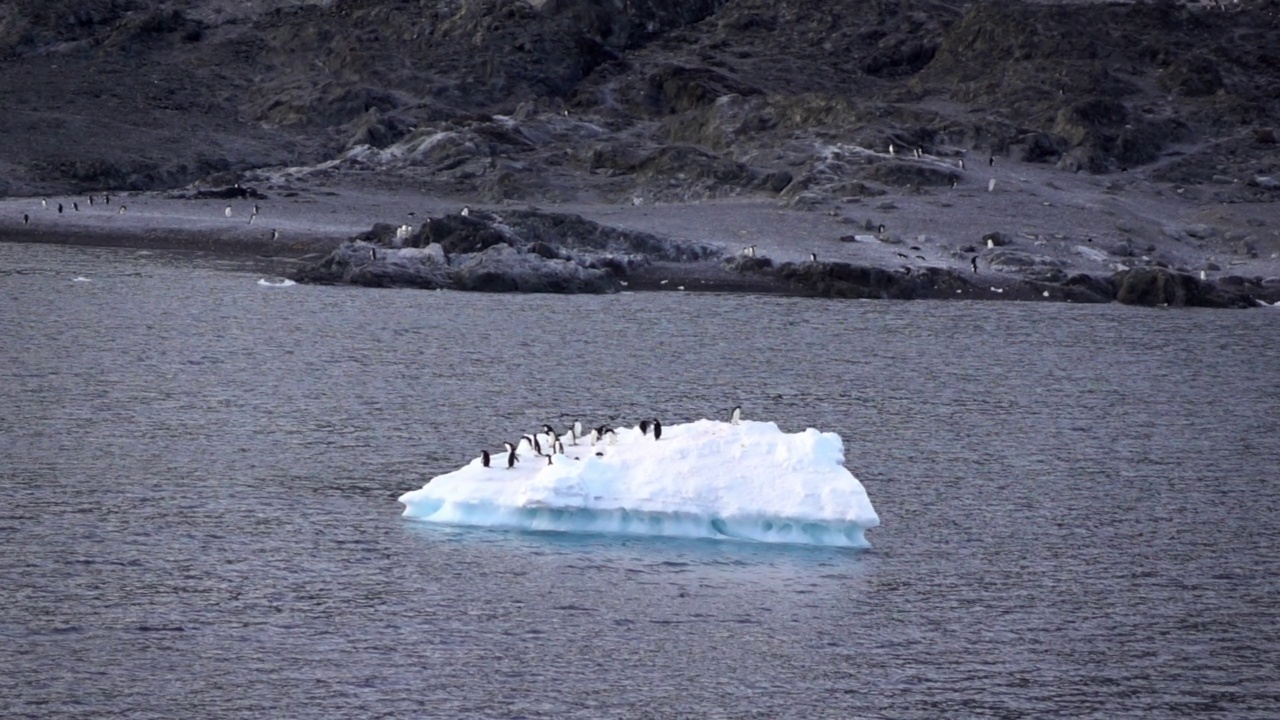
(75, 206)
(644, 427)
(974, 262)
(26, 219)
(657, 429)
(511, 455)
(735, 417)
(484, 458)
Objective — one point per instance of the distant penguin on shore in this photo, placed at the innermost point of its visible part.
(75, 206)
(511, 455)
(813, 257)
(974, 262)
(595, 436)
(466, 211)
(44, 204)
(106, 199)
(644, 427)
(991, 161)
(484, 458)
(90, 201)
(121, 210)
(749, 251)
(227, 212)
(26, 219)
(657, 429)
(893, 152)
(735, 417)
(59, 208)
(991, 185)
(275, 235)
(961, 163)
(373, 254)
(880, 229)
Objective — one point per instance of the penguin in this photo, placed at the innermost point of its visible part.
(252, 218)
(558, 447)
(373, 254)
(90, 201)
(255, 208)
(644, 427)
(892, 150)
(953, 184)
(484, 458)
(121, 210)
(974, 262)
(59, 208)
(902, 255)
(26, 219)
(735, 417)
(75, 206)
(813, 257)
(44, 204)
(577, 428)
(227, 212)
(595, 436)
(657, 429)
(275, 235)
(610, 436)
(880, 229)
(920, 258)
(990, 243)
(106, 199)
(991, 161)
(511, 455)
(466, 211)
(991, 185)
(961, 163)
(573, 436)
(537, 447)
(749, 251)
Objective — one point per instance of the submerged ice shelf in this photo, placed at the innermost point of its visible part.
(702, 479)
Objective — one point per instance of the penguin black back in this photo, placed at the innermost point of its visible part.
(657, 429)
(644, 427)
(484, 458)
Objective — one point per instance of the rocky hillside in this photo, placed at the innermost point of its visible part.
(634, 99)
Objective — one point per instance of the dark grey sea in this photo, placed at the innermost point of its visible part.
(198, 474)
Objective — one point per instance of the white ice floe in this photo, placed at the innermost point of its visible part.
(702, 479)
(282, 282)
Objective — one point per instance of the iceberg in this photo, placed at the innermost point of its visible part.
(704, 479)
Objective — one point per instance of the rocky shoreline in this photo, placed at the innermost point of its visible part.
(532, 250)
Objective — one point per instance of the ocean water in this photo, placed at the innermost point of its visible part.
(198, 477)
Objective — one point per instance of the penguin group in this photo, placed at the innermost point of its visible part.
(548, 443)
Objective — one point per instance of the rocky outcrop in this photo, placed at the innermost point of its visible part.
(1160, 287)
(517, 251)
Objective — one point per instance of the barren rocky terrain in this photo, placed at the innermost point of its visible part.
(1029, 150)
